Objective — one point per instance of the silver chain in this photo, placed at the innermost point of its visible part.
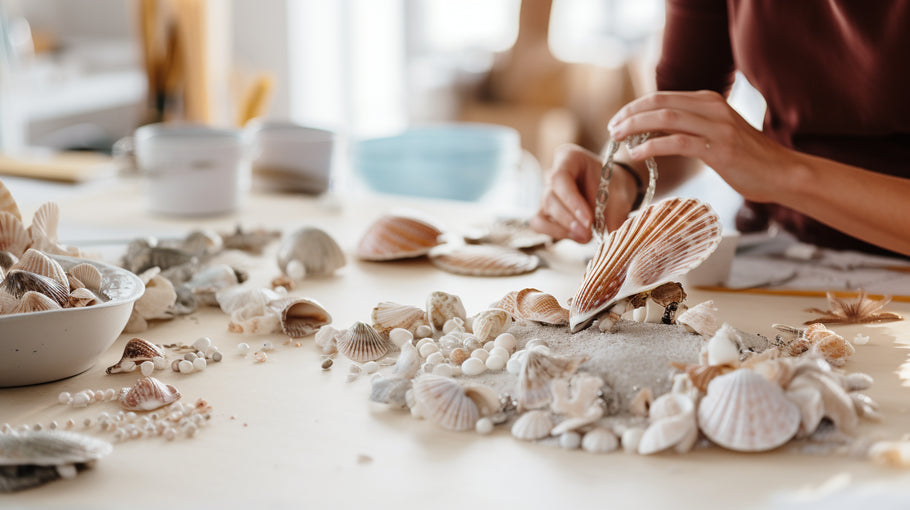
(606, 175)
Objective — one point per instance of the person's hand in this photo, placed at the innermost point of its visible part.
(702, 125)
(566, 210)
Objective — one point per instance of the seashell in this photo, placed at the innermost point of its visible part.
(82, 297)
(17, 282)
(444, 401)
(441, 307)
(390, 390)
(599, 440)
(722, 348)
(252, 241)
(315, 252)
(745, 412)
(811, 408)
(641, 403)
(837, 404)
(387, 316)
(7, 260)
(828, 344)
(701, 319)
(8, 203)
(484, 397)
(361, 343)
(254, 320)
(235, 298)
(393, 237)
(489, 324)
(579, 399)
(36, 262)
(202, 242)
(206, 283)
(890, 453)
(534, 305)
(148, 394)
(32, 458)
(702, 375)
(302, 317)
(45, 222)
(33, 301)
(482, 260)
(532, 425)
(510, 232)
(88, 274)
(14, 237)
(657, 245)
(326, 339)
(159, 297)
(136, 351)
(671, 292)
(673, 425)
(538, 370)
(408, 363)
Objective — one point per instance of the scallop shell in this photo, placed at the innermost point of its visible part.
(36, 262)
(361, 343)
(599, 440)
(538, 370)
(480, 260)
(534, 305)
(136, 351)
(49, 448)
(202, 242)
(394, 237)
(657, 245)
(701, 318)
(33, 301)
(18, 282)
(148, 394)
(235, 298)
(745, 412)
(7, 260)
(82, 297)
(14, 237)
(532, 425)
(489, 324)
(387, 316)
(8, 203)
(444, 401)
(314, 250)
(302, 317)
(672, 425)
(442, 306)
(45, 222)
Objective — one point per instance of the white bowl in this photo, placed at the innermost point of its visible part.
(291, 157)
(46, 346)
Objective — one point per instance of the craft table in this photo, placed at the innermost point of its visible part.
(285, 433)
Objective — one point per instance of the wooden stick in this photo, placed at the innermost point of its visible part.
(799, 293)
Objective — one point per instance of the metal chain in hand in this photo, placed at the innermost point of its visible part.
(606, 175)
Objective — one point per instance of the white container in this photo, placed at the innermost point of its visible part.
(291, 157)
(716, 269)
(193, 170)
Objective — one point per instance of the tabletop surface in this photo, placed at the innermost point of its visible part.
(285, 433)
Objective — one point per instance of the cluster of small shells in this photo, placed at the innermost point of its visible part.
(36, 282)
(141, 354)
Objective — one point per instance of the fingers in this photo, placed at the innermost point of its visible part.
(704, 102)
(545, 225)
(674, 145)
(666, 121)
(565, 190)
(565, 210)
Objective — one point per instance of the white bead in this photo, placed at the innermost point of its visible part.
(513, 366)
(98, 395)
(496, 363)
(110, 394)
(211, 351)
(400, 336)
(423, 341)
(456, 370)
(630, 439)
(484, 426)
(202, 343)
(569, 440)
(160, 362)
(199, 364)
(480, 354)
(64, 397)
(170, 433)
(243, 348)
(507, 341)
(489, 346)
(147, 368)
(185, 366)
(428, 348)
(423, 331)
(473, 366)
(499, 351)
(81, 399)
(443, 369)
(436, 358)
(370, 367)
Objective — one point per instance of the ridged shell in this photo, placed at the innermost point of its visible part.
(148, 394)
(361, 343)
(18, 282)
(82, 297)
(828, 344)
(538, 371)
(599, 440)
(33, 301)
(442, 306)
(36, 262)
(701, 318)
(837, 404)
(387, 316)
(14, 237)
(745, 412)
(44, 224)
(672, 425)
(443, 401)
(314, 250)
(532, 425)
(302, 317)
(489, 324)
(480, 260)
(534, 305)
(657, 245)
(397, 237)
(8, 203)
(50, 448)
(136, 351)
(7, 259)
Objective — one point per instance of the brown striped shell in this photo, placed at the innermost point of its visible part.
(657, 245)
(534, 305)
(361, 343)
(387, 316)
(14, 237)
(18, 282)
(148, 394)
(136, 351)
(8, 203)
(302, 317)
(394, 237)
(483, 260)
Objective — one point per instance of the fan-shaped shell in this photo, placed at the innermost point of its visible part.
(745, 412)
(537, 372)
(36, 262)
(13, 236)
(148, 394)
(50, 448)
(599, 440)
(657, 245)
(302, 317)
(8, 203)
(314, 251)
(443, 401)
(82, 297)
(397, 237)
(361, 343)
(532, 425)
(673, 424)
(442, 306)
(136, 351)
(387, 316)
(18, 282)
(33, 301)
(482, 260)
(534, 305)
(490, 323)
(701, 318)
(7, 260)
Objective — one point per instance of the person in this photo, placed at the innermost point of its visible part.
(832, 163)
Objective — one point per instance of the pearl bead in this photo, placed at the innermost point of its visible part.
(480, 354)
(81, 399)
(170, 433)
(98, 395)
(496, 363)
(443, 369)
(428, 348)
(370, 367)
(400, 336)
(199, 364)
(484, 426)
(507, 341)
(64, 397)
(473, 366)
(499, 351)
(570, 440)
(243, 348)
(185, 366)
(110, 394)
(202, 343)
(423, 331)
(147, 368)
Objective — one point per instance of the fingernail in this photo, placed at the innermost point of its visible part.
(582, 217)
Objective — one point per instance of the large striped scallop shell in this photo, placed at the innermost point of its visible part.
(14, 237)
(361, 343)
(483, 260)
(387, 316)
(37, 262)
(534, 305)
(309, 251)
(135, 352)
(8, 203)
(148, 394)
(393, 237)
(745, 412)
(656, 246)
(18, 282)
(452, 406)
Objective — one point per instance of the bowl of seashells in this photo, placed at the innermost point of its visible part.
(58, 314)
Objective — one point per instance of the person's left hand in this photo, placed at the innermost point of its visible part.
(702, 125)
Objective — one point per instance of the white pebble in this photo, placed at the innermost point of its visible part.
(513, 366)
(211, 351)
(496, 363)
(860, 339)
(185, 366)
(630, 439)
(216, 356)
(428, 348)
(456, 370)
(170, 433)
(160, 362)
(484, 426)
(370, 367)
(147, 368)
(199, 363)
(443, 369)
(481, 354)
(202, 343)
(81, 399)
(424, 330)
(64, 397)
(400, 336)
(507, 341)
(489, 346)
(499, 351)
(243, 348)
(569, 440)
(473, 366)
(435, 358)
(110, 394)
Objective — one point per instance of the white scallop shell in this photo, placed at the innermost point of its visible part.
(148, 394)
(316, 252)
(441, 307)
(14, 237)
(538, 370)
(534, 305)
(483, 260)
(45, 221)
(599, 440)
(361, 343)
(673, 424)
(387, 316)
(50, 448)
(394, 237)
(301, 317)
(490, 323)
(88, 274)
(657, 245)
(36, 262)
(745, 412)
(532, 425)
(8, 203)
(443, 401)
(701, 318)
(33, 301)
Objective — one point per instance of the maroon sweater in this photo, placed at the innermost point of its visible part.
(835, 75)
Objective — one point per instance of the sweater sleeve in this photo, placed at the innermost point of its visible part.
(696, 51)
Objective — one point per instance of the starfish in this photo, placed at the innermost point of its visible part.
(860, 310)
